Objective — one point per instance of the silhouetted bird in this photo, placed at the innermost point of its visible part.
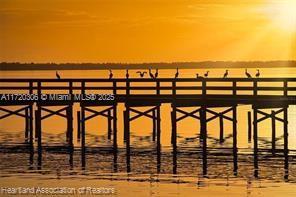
(151, 74)
(57, 75)
(110, 74)
(225, 74)
(258, 73)
(127, 75)
(248, 74)
(156, 73)
(177, 73)
(197, 75)
(206, 74)
(142, 74)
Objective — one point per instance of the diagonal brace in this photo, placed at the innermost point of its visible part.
(10, 112)
(186, 114)
(51, 112)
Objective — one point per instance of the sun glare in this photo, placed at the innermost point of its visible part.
(283, 14)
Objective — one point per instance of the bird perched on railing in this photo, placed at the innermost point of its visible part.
(142, 74)
(110, 74)
(151, 74)
(197, 75)
(258, 73)
(177, 73)
(225, 74)
(206, 74)
(248, 74)
(156, 73)
(57, 75)
(127, 74)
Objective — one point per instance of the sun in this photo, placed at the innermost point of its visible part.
(283, 14)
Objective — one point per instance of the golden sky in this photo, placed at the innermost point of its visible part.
(146, 30)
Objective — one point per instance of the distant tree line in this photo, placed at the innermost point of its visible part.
(160, 65)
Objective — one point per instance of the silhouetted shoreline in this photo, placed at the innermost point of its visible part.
(183, 65)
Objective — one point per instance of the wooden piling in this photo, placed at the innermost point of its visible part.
(115, 165)
(38, 126)
(154, 125)
(286, 148)
(83, 137)
(26, 124)
(127, 138)
(69, 113)
(273, 132)
(109, 124)
(78, 126)
(158, 138)
(203, 119)
(201, 128)
(174, 126)
(115, 127)
(39, 134)
(255, 137)
(31, 124)
(221, 129)
(174, 136)
(158, 125)
(249, 127)
(234, 127)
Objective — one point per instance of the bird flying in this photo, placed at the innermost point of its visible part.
(142, 74)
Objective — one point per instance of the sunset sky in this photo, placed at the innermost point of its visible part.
(147, 30)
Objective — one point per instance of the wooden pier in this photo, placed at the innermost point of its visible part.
(202, 94)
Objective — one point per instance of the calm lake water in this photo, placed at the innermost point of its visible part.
(145, 179)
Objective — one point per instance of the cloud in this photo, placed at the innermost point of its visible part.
(31, 17)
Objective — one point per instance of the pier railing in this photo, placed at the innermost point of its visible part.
(160, 86)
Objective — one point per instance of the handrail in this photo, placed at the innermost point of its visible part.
(203, 85)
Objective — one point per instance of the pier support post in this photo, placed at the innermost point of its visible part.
(221, 138)
(174, 126)
(69, 113)
(31, 125)
(249, 127)
(158, 138)
(154, 125)
(27, 124)
(109, 124)
(286, 148)
(234, 125)
(78, 126)
(174, 137)
(203, 119)
(255, 139)
(127, 137)
(273, 131)
(115, 127)
(201, 129)
(83, 137)
(39, 134)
